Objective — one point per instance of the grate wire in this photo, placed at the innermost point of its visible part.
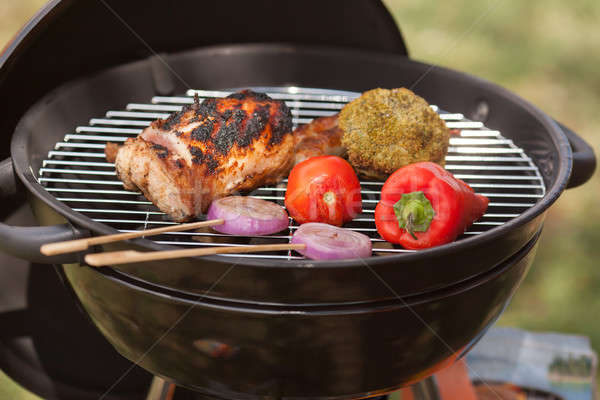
(76, 173)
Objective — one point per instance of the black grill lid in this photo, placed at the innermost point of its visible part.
(69, 39)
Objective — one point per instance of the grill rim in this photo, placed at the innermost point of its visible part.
(20, 146)
(267, 307)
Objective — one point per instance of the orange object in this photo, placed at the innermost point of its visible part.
(454, 383)
(406, 394)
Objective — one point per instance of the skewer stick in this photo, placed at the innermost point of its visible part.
(132, 256)
(70, 246)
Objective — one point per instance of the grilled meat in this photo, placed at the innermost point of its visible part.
(206, 151)
(384, 130)
(321, 136)
(110, 151)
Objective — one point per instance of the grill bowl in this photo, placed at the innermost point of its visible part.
(413, 313)
(229, 350)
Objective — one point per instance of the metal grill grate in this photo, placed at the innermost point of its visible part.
(77, 174)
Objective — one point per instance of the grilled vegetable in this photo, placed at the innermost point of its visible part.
(248, 216)
(327, 242)
(423, 205)
(323, 189)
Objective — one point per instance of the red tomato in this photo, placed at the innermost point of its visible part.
(323, 189)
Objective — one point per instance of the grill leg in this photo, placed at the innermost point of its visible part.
(426, 389)
(160, 390)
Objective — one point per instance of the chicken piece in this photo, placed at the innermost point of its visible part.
(110, 151)
(208, 150)
(384, 130)
(321, 136)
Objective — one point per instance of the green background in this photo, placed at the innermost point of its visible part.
(547, 52)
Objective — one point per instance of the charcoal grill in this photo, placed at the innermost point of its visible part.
(295, 328)
(77, 174)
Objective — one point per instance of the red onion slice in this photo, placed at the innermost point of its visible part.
(248, 216)
(328, 242)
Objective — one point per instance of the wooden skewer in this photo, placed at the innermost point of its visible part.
(132, 256)
(70, 246)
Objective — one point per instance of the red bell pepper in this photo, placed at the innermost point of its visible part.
(423, 205)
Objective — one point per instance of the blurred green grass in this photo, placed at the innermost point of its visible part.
(547, 52)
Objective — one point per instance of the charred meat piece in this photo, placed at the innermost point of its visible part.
(384, 130)
(206, 151)
(321, 136)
